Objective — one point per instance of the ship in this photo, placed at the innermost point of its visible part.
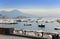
(8, 21)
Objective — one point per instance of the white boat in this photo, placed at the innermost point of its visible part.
(57, 28)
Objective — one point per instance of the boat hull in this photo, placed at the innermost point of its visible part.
(57, 28)
(27, 24)
(41, 25)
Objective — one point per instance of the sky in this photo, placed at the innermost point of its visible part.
(31, 6)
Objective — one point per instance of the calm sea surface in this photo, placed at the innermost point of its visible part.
(49, 27)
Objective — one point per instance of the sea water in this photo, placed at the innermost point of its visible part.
(49, 27)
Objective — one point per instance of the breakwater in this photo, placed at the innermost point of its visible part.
(38, 34)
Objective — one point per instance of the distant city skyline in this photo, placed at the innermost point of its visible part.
(35, 7)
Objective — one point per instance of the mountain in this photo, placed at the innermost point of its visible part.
(15, 13)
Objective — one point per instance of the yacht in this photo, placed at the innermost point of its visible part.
(57, 28)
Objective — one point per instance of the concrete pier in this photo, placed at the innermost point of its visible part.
(35, 34)
(28, 33)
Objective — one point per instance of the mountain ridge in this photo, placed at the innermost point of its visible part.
(15, 13)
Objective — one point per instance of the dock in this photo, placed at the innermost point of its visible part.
(36, 34)
(31, 34)
(28, 34)
(9, 32)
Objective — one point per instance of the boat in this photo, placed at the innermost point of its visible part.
(19, 21)
(8, 21)
(57, 28)
(41, 25)
(27, 24)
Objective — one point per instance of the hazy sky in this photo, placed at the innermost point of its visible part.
(29, 4)
(32, 6)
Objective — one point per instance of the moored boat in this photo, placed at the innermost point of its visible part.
(57, 28)
(8, 21)
(41, 25)
(27, 24)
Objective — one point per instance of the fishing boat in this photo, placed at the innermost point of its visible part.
(57, 28)
(41, 25)
(27, 24)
